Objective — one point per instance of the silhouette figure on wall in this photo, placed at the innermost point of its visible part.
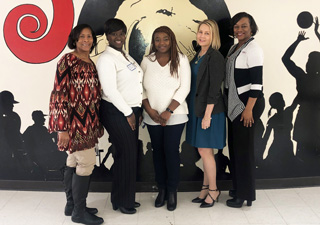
(145, 163)
(280, 161)
(189, 170)
(102, 173)
(42, 150)
(222, 163)
(307, 124)
(11, 147)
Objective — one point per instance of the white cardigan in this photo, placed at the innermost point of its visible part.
(121, 80)
(159, 87)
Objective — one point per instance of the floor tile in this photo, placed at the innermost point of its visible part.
(268, 215)
(295, 206)
(294, 214)
(285, 197)
(5, 196)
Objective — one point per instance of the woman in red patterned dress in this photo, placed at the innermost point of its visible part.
(74, 110)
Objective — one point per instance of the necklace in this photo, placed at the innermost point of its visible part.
(198, 58)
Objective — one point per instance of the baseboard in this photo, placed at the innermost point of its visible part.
(184, 186)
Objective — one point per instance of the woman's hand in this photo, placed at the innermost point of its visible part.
(205, 123)
(132, 121)
(247, 117)
(140, 120)
(63, 139)
(164, 117)
(154, 115)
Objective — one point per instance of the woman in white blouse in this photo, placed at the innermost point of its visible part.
(166, 85)
(120, 111)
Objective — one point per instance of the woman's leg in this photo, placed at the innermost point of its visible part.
(85, 161)
(172, 137)
(209, 165)
(244, 161)
(125, 141)
(159, 161)
(205, 185)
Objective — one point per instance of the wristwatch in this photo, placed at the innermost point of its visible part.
(169, 110)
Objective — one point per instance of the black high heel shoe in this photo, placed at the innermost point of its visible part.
(204, 204)
(233, 193)
(161, 198)
(237, 202)
(200, 200)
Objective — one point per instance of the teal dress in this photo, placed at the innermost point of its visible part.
(215, 135)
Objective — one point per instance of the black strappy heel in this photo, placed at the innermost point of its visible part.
(200, 200)
(207, 205)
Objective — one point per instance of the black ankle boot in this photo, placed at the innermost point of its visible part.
(237, 202)
(172, 201)
(80, 188)
(67, 181)
(161, 198)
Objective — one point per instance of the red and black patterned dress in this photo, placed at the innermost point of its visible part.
(75, 102)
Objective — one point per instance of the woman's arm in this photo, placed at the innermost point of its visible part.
(206, 120)
(247, 115)
(151, 112)
(108, 78)
(59, 113)
(165, 115)
(184, 74)
(216, 67)
(182, 92)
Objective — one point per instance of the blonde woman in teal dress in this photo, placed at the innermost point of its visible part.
(206, 128)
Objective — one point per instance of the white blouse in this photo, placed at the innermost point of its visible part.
(160, 88)
(121, 80)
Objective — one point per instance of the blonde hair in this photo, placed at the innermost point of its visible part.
(215, 36)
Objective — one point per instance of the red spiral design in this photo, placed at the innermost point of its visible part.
(25, 31)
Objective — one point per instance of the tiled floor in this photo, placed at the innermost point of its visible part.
(297, 206)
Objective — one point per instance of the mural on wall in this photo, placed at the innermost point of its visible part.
(281, 160)
(25, 31)
(32, 154)
(142, 17)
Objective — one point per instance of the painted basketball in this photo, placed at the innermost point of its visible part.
(305, 20)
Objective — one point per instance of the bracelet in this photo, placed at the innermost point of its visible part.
(207, 119)
(169, 110)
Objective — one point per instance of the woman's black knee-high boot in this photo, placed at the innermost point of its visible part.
(80, 188)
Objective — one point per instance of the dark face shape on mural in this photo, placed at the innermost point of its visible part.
(242, 30)
(162, 42)
(142, 17)
(116, 39)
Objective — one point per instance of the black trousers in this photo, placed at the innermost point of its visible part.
(165, 143)
(241, 153)
(125, 141)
